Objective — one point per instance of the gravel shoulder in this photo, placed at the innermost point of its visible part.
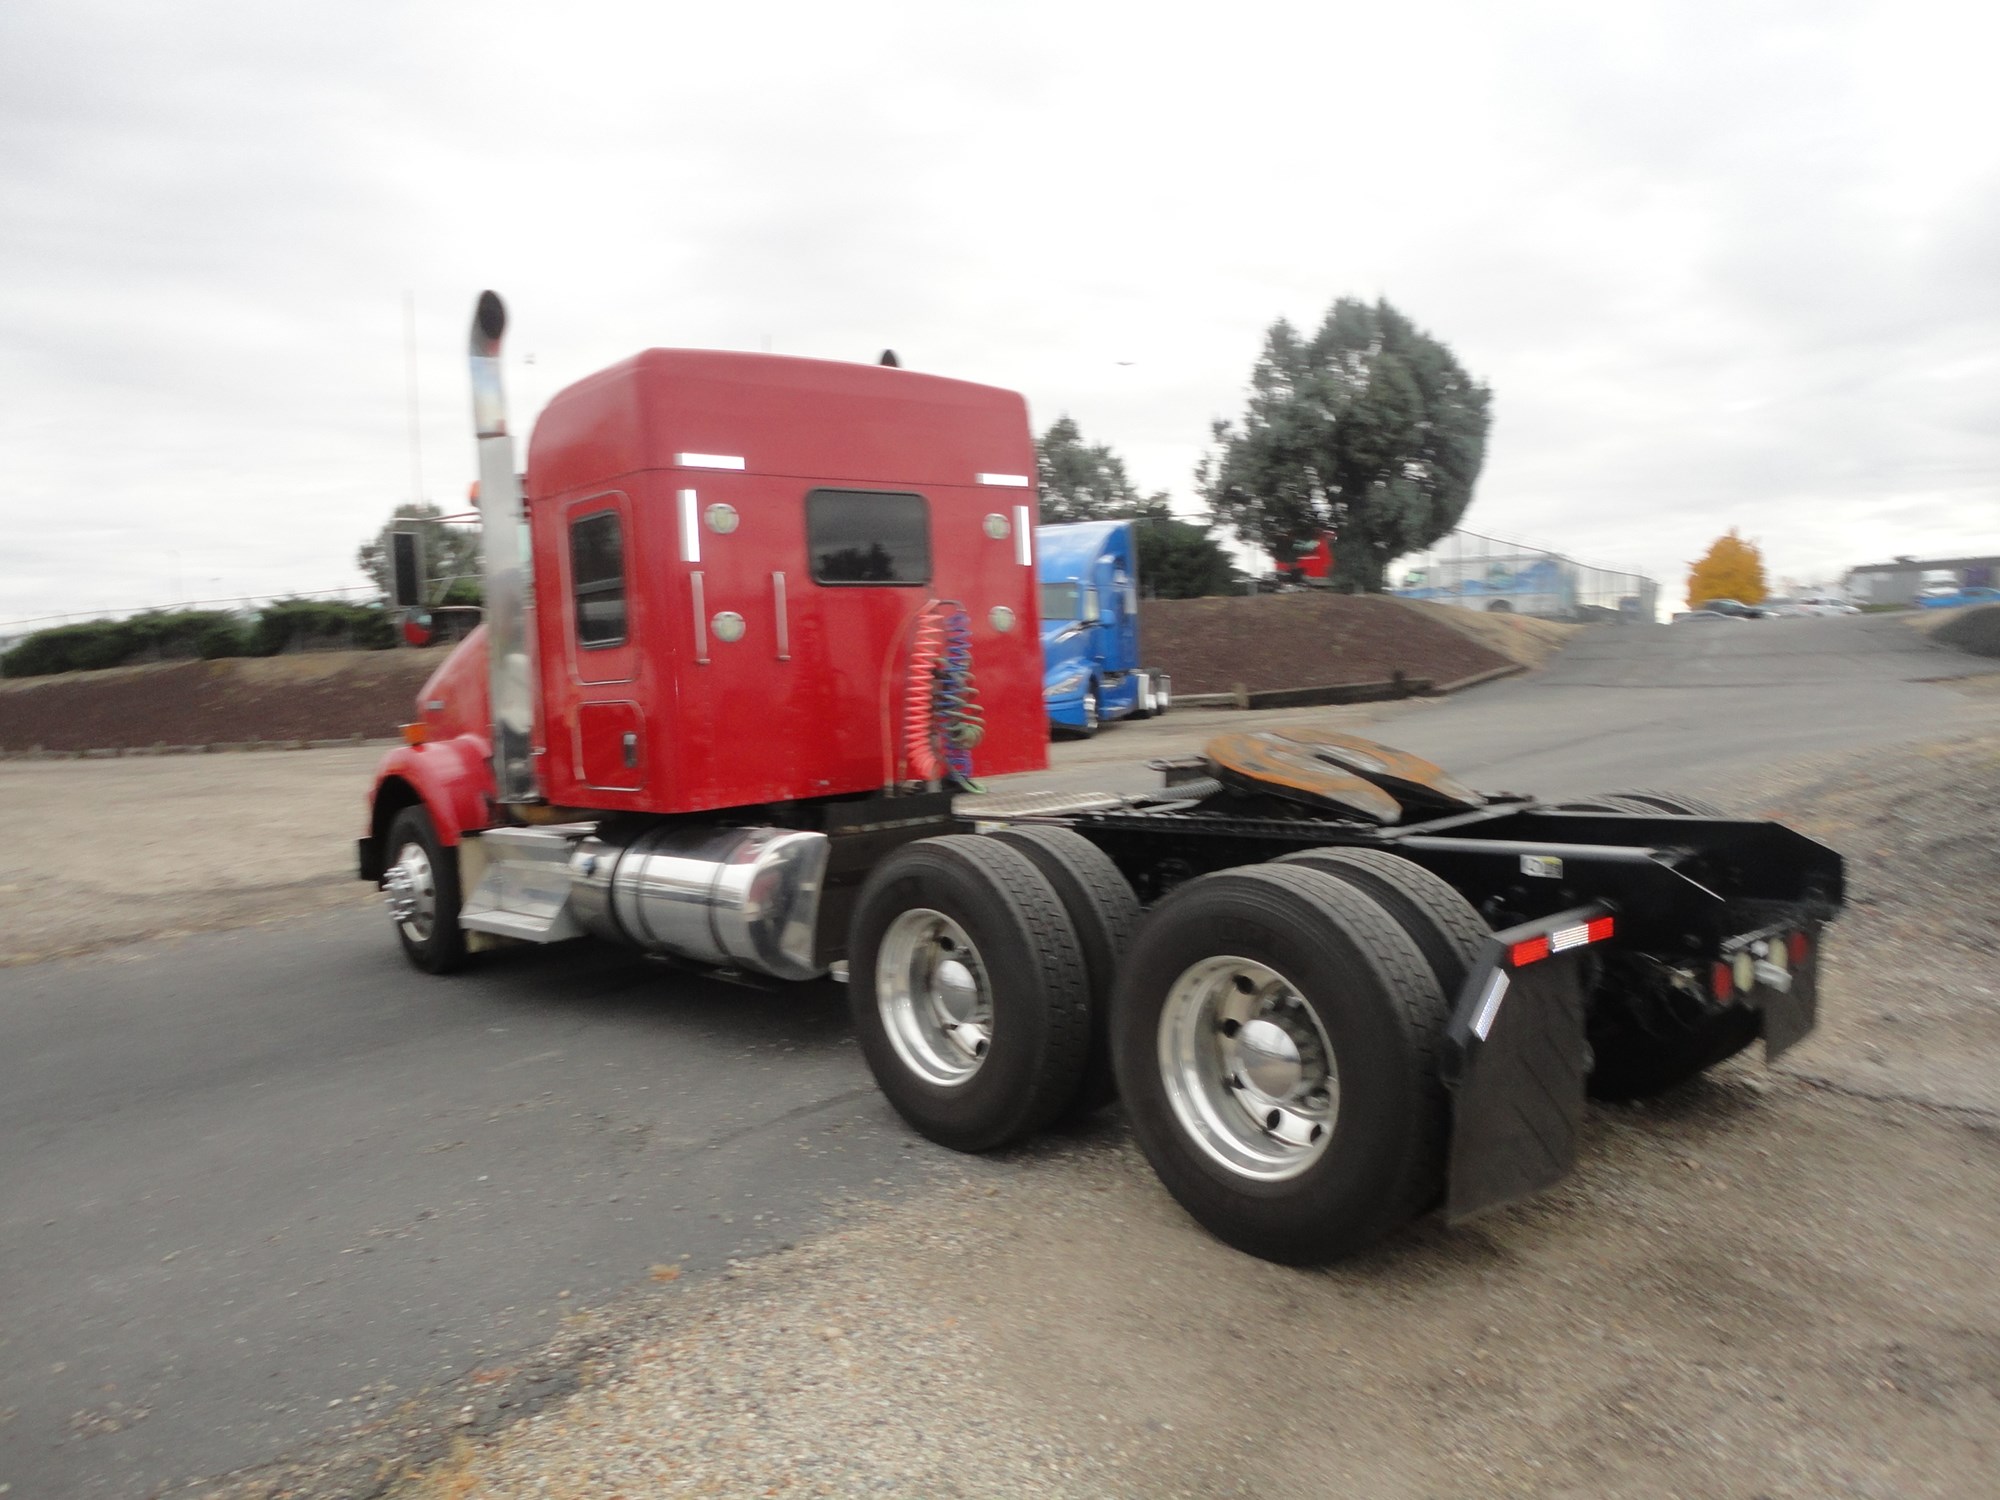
(156, 847)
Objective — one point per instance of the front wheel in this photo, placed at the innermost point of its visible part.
(1276, 1035)
(420, 888)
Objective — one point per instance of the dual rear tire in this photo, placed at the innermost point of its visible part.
(1274, 1030)
(1277, 1033)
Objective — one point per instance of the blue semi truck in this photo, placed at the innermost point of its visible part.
(1089, 573)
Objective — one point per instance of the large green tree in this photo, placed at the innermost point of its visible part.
(1370, 428)
(1081, 481)
(451, 555)
(1178, 559)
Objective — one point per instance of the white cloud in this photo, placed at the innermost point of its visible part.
(1722, 265)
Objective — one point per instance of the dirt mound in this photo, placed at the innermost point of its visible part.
(1266, 641)
(324, 696)
(1976, 630)
(1527, 640)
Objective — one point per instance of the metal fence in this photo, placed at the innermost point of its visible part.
(1487, 573)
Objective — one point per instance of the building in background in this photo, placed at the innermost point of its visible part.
(1900, 581)
(1486, 573)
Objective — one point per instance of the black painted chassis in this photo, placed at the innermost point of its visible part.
(1686, 892)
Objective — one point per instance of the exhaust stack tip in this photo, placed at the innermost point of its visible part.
(489, 322)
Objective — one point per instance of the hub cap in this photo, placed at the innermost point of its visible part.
(409, 889)
(935, 999)
(1248, 1068)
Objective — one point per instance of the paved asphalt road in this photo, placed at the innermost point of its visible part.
(256, 1179)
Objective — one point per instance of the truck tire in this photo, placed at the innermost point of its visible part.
(1142, 695)
(1105, 913)
(420, 882)
(1672, 802)
(1645, 1038)
(1277, 1038)
(1446, 927)
(1605, 802)
(967, 986)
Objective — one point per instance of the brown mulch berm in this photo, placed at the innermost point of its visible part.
(322, 696)
(1267, 641)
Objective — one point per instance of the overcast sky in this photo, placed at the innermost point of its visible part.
(1722, 264)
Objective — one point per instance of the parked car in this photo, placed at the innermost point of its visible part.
(1957, 598)
(1826, 604)
(1704, 617)
(1735, 608)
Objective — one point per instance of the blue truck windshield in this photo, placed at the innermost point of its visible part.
(1062, 601)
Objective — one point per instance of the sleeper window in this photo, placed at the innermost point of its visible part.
(868, 537)
(597, 572)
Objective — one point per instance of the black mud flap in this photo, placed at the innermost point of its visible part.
(1516, 1060)
(1785, 995)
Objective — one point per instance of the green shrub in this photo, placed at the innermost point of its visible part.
(157, 635)
(187, 634)
(322, 625)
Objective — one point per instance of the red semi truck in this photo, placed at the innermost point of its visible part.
(753, 625)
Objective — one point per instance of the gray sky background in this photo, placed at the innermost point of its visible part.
(1722, 264)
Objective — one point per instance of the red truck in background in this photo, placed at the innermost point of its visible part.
(753, 627)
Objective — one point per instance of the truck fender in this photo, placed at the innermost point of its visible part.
(452, 780)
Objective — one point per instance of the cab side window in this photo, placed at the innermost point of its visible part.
(597, 574)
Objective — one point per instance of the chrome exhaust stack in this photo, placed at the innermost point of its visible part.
(504, 559)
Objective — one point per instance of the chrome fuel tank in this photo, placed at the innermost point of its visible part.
(745, 898)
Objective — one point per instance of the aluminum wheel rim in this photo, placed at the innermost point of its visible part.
(409, 887)
(935, 998)
(1248, 1068)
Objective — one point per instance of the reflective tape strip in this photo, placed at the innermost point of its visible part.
(1024, 538)
(690, 528)
(708, 461)
(1489, 1004)
(1565, 938)
(1009, 481)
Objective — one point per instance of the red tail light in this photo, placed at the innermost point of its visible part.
(1724, 981)
(1799, 946)
(1528, 952)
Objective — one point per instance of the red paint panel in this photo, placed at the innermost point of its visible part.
(776, 714)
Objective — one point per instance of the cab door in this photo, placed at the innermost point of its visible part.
(601, 633)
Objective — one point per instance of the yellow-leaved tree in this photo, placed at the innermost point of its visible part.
(1733, 569)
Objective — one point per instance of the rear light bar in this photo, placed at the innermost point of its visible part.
(1534, 949)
